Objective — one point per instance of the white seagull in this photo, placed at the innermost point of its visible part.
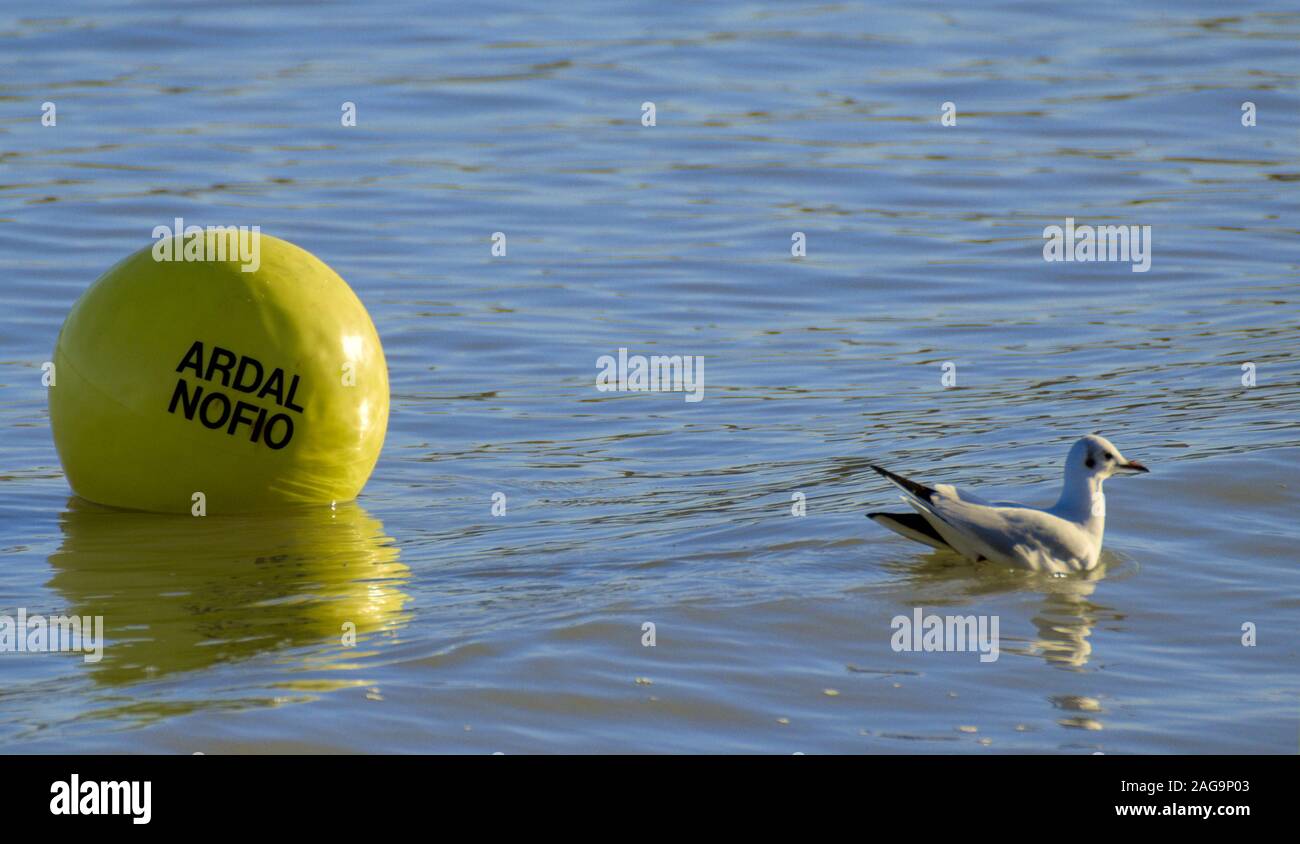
(1065, 537)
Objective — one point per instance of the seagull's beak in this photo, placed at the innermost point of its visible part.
(1134, 467)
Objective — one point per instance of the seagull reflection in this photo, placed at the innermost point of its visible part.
(1065, 617)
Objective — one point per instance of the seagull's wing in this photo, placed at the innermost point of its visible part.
(1004, 532)
(1017, 535)
(912, 525)
(950, 491)
(925, 493)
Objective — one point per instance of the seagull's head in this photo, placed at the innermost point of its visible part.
(1096, 456)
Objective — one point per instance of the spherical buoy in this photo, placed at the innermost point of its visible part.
(218, 371)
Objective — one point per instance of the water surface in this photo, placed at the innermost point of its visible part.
(523, 633)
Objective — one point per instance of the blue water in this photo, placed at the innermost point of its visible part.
(523, 632)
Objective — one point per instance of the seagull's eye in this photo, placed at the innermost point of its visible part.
(1090, 462)
(1110, 456)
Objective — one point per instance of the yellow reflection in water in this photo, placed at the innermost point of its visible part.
(180, 593)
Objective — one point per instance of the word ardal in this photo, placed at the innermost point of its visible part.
(1099, 243)
(217, 243)
(656, 374)
(242, 374)
(74, 797)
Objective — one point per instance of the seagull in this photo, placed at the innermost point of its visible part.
(1062, 538)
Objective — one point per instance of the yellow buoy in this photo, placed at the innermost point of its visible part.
(192, 377)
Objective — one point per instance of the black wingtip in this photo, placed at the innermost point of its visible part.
(914, 522)
(919, 490)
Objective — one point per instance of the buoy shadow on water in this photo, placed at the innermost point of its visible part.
(180, 593)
